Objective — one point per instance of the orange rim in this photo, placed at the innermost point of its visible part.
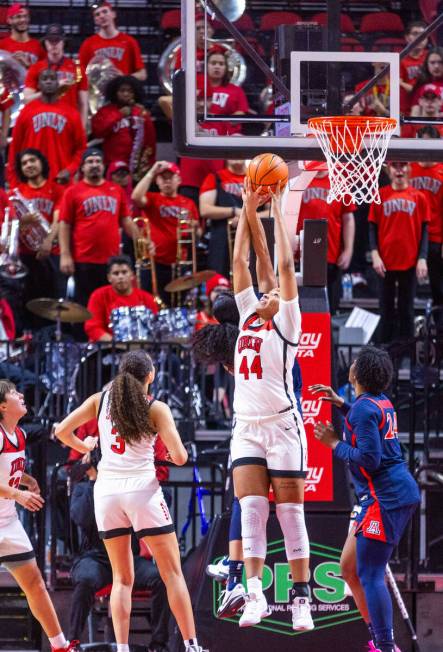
(352, 122)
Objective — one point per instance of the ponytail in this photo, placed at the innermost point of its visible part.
(129, 408)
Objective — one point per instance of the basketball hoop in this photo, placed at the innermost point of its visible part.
(355, 148)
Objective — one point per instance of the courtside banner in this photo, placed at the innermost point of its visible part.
(314, 356)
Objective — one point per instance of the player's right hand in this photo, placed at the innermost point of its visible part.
(330, 395)
(30, 500)
(90, 443)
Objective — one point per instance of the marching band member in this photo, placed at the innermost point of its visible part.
(25, 49)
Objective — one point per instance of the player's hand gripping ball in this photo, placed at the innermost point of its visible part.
(266, 170)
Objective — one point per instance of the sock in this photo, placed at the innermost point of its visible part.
(235, 573)
(371, 632)
(58, 641)
(191, 643)
(122, 647)
(300, 590)
(255, 586)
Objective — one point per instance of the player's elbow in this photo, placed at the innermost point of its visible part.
(179, 457)
(371, 462)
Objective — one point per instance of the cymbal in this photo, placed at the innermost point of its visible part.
(59, 309)
(189, 281)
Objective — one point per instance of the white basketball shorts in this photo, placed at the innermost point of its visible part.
(125, 504)
(277, 442)
(15, 546)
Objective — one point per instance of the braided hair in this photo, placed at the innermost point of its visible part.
(129, 406)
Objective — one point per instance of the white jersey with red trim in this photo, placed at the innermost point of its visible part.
(12, 466)
(118, 458)
(264, 357)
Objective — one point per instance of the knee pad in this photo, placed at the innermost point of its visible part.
(254, 516)
(292, 522)
(235, 524)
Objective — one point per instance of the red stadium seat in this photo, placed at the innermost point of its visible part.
(350, 44)
(243, 24)
(171, 19)
(388, 44)
(101, 608)
(346, 24)
(273, 19)
(381, 21)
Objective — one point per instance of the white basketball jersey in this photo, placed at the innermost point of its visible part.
(118, 458)
(12, 466)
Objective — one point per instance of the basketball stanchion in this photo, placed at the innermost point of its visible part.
(355, 149)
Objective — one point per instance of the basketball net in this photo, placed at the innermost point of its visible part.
(355, 148)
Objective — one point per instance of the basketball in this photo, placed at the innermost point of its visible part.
(267, 170)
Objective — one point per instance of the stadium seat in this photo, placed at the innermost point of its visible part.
(272, 19)
(101, 608)
(346, 24)
(243, 24)
(381, 21)
(350, 44)
(388, 44)
(171, 19)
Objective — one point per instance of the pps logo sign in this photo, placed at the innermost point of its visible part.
(330, 605)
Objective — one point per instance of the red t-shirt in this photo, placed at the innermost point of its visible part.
(55, 129)
(230, 182)
(31, 50)
(4, 203)
(94, 214)
(225, 100)
(409, 71)
(314, 206)
(194, 170)
(430, 181)
(163, 213)
(103, 301)
(410, 131)
(123, 50)
(379, 91)
(199, 59)
(45, 199)
(399, 219)
(67, 72)
(120, 132)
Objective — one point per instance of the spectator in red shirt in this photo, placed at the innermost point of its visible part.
(410, 65)
(51, 126)
(73, 84)
(429, 105)
(431, 72)
(119, 293)
(120, 48)
(341, 231)
(125, 126)
(25, 49)
(214, 286)
(164, 210)
(398, 235)
(91, 214)
(376, 100)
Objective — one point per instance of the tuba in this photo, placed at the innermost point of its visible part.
(33, 234)
(11, 266)
(99, 71)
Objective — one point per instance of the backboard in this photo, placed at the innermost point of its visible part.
(312, 67)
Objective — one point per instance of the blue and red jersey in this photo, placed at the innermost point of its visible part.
(371, 448)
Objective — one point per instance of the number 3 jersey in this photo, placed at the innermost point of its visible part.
(12, 466)
(120, 459)
(264, 357)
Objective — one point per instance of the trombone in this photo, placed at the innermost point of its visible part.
(144, 258)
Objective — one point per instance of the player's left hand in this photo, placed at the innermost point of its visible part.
(253, 198)
(325, 433)
(90, 443)
(421, 269)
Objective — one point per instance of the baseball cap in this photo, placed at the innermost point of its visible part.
(96, 4)
(117, 165)
(91, 151)
(15, 9)
(54, 32)
(216, 281)
(429, 89)
(171, 167)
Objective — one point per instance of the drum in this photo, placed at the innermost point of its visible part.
(174, 325)
(59, 362)
(135, 323)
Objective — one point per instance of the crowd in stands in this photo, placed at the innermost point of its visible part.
(86, 177)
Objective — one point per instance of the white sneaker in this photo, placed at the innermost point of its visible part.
(231, 601)
(255, 609)
(219, 571)
(301, 615)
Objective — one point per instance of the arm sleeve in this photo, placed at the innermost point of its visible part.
(67, 208)
(98, 324)
(84, 54)
(104, 120)
(124, 210)
(138, 61)
(424, 241)
(149, 302)
(79, 145)
(150, 140)
(365, 426)
(344, 409)
(242, 101)
(288, 320)
(246, 301)
(31, 80)
(373, 236)
(208, 183)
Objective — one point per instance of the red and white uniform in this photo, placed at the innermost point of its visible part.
(430, 181)
(68, 72)
(314, 206)
(120, 134)
(31, 50)
(164, 214)
(14, 542)
(268, 425)
(104, 300)
(127, 493)
(230, 182)
(123, 50)
(46, 200)
(54, 129)
(94, 213)
(399, 218)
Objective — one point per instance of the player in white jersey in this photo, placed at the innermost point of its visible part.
(127, 494)
(16, 551)
(269, 440)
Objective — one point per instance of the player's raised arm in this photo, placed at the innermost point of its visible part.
(240, 260)
(285, 257)
(265, 272)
